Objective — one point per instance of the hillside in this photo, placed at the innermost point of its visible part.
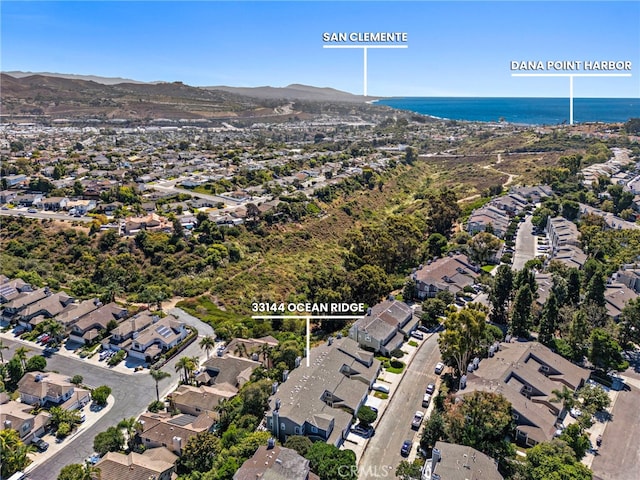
(49, 97)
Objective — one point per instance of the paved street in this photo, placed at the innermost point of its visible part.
(525, 249)
(132, 393)
(44, 215)
(383, 451)
(619, 456)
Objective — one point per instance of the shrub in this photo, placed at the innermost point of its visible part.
(155, 406)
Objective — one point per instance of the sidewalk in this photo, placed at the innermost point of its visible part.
(91, 418)
(597, 430)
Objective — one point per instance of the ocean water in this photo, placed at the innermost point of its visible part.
(528, 111)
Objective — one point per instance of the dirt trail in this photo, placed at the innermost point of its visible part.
(510, 178)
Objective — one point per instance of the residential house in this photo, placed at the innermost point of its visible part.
(55, 203)
(569, 255)
(150, 222)
(526, 374)
(17, 415)
(17, 304)
(122, 336)
(512, 203)
(562, 232)
(629, 275)
(11, 289)
(384, 327)
(488, 218)
(48, 307)
(7, 196)
(172, 431)
(458, 462)
(272, 462)
(39, 388)
(29, 200)
(75, 311)
(203, 399)
(157, 338)
(89, 327)
(15, 180)
(251, 347)
(154, 463)
(533, 194)
(227, 370)
(451, 273)
(320, 401)
(616, 296)
(545, 284)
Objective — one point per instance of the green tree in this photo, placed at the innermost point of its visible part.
(14, 372)
(200, 452)
(436, 244)
(75, 471)
(464, 330)
(501, 294)
(605, 352)
(331, 463)
(14, 453)
(630, 322)
(100, 394)
(555, 461)
(549, 319)
(564, 396)
(432, 310)
(207, 344)
(366, 415)
(433, 431)
(255, 396)
(483, 246)
(157, 376)
(594, 398)
(77, 380)
(443, 212)
(576, 439)
(21, 355)
(409, 470)
(521, 312)
(595, 289)
(299, 443)
(2, 347)
(36, 363)
(110, 440)
(131, 426)
(482, 420)
(578, 335)
(369, 283)
(186, 365)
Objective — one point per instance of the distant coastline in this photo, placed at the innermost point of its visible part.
(519, 110)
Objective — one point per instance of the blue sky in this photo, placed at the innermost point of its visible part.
(455, 48)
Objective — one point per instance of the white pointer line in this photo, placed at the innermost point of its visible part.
(364, 50)
(307, 318)
(570, 75)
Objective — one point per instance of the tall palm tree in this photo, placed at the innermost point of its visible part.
(565, 396)
(240, 349)
(207, 343)
(187, 365)
(90, 472)
(21, 354)
(2, 347)
(131, 426)
(265, 351)
(157, 376)
(56, 330)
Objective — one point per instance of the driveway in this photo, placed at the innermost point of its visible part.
(382, 454)
(525, 249)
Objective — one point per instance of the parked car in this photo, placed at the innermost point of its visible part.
(41, 445)
(422, 328)
(366, 431)
(417, 335)
(575, 412)
(439, 368)
(378, 387)
(426, 400)
(32, 210)
(431, 388)
(406, 448)
(417, 420)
